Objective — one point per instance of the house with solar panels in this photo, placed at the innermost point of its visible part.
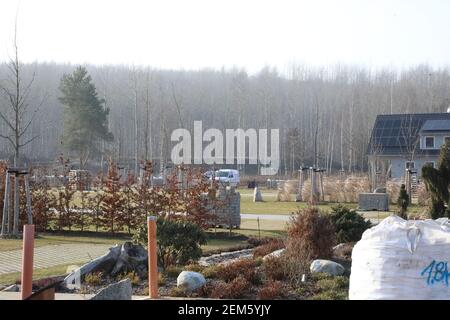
(402, 143)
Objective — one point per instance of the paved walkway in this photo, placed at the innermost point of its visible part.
(53, 255)
(61, 296)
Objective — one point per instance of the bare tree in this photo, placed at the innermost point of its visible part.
(409, 137)
(17, 115)
(148, 145)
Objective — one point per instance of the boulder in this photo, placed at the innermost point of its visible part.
(116, 291)
(275, 254)
(257, 197)
(327, 266)
(190, 281)
(380, 190)
(132, 257)
(12, 288)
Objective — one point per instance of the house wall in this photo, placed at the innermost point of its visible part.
(398, 165)
(438, 139)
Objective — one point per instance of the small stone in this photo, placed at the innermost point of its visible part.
(327, 266)
(121, 290)
(190, 281)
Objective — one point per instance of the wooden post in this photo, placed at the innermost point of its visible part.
(152, 258)
(5, 217)
(259, 230)
(27, 261)
(298, 197)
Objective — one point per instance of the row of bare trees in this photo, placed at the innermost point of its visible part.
(325, 116)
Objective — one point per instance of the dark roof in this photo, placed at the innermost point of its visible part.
(397, 134)
(436, 125)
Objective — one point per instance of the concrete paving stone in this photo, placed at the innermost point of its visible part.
(52, 255)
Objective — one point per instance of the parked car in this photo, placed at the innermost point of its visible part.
(228, 176)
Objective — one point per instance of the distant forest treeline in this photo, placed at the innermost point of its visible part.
(325, 116)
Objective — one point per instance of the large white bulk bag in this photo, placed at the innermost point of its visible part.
(400, 259)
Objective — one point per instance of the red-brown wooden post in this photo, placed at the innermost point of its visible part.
(152, 258)
(27, 261)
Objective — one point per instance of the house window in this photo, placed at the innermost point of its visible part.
(429, 163)
(409, 164)
(429, 142)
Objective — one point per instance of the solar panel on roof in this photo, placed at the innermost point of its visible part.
(393, 134)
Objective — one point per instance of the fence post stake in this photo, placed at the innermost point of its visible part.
(27, 261)
(152, 258)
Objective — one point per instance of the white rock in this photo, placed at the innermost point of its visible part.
(327, 266)
(190, 280)
(275, 254)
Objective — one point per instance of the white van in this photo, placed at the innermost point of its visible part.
(228, 176)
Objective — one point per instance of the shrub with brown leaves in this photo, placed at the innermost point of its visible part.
(311, 235)
(274, 268)
(269, 247)
(245, 268)
(238, 288)
(273, 290)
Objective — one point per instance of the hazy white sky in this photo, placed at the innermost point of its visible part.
(192, 34)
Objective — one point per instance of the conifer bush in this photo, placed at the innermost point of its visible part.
(349, 224)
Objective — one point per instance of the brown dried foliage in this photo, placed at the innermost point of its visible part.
(311, 235)
(269, 247)
(273, 290)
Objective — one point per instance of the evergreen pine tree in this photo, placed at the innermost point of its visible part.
(437, 182)
(85, 118)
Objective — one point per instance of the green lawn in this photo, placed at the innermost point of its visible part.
(271, 206)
